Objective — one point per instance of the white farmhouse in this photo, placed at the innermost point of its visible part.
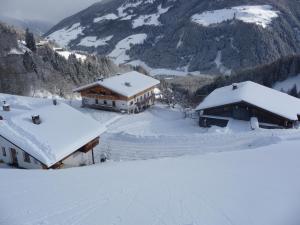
(129, 92)
(46, 136)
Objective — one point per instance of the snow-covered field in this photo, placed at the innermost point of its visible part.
(288, 84)
(164, 71)
(66, 54)
(150, 20)
(164, 132)
(64, 36)
(164, 169)
(92, 41)
(119, 54)
(261, 15)
(252, 187)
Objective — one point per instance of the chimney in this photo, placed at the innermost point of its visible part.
(6, 107)
(234, 86)
(127, 84)
(36, 119)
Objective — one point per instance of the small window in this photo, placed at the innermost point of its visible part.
(105, 102)
(96, 101)
(131, 103)
(114, 104)
(26, 157)
(3, 151)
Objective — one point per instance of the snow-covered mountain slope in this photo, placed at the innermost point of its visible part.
(210, 36)
(48, 69)
(288, 84)
(254, 187)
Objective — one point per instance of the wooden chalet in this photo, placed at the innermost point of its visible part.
(130, 92)
(246, 100)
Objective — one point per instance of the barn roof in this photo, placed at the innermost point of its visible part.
(63, 130)
(127, 84)
(263, 97)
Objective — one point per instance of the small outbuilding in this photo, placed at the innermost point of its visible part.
(47, 136)
(129, 92)
(249, 101)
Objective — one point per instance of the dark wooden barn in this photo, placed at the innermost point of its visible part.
(247, 100)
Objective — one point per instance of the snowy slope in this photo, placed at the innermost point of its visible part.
(241, 187)
(261, 15)
(288, 84)
(119, 54)
(64, 36)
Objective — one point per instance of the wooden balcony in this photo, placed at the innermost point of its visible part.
(145, 101)
(89, 146)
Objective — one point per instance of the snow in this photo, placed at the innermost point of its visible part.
(163, 71)
(288, 84)
(15, 51)
(150, 20)
(63, 129)
(239, 187)
(218, 61)
(261, 15)
(250, 92)
(64, 36)
(66, 54)
(121, 9)
(119, 54)
(127, 84)
(93, 41)
(164, 169)
(110, 16)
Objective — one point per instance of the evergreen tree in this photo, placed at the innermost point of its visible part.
(30, 41)
(294, 91)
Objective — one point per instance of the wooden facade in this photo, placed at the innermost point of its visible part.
(103, 98)
(242, 111)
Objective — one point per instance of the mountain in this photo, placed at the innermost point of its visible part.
(200, 36)
(45, 71)
(35, 26)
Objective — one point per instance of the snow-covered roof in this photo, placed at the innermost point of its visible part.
(263, 97)
(127, 84)
(63, 130)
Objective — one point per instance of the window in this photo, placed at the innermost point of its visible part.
(131, 103)
(3, 151)
(26, 157)
(96, 101)
(105, 102)
(114, 104)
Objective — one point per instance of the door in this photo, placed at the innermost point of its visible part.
(14, 159)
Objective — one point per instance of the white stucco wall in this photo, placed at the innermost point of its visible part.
(78, 159)
(34, 164)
